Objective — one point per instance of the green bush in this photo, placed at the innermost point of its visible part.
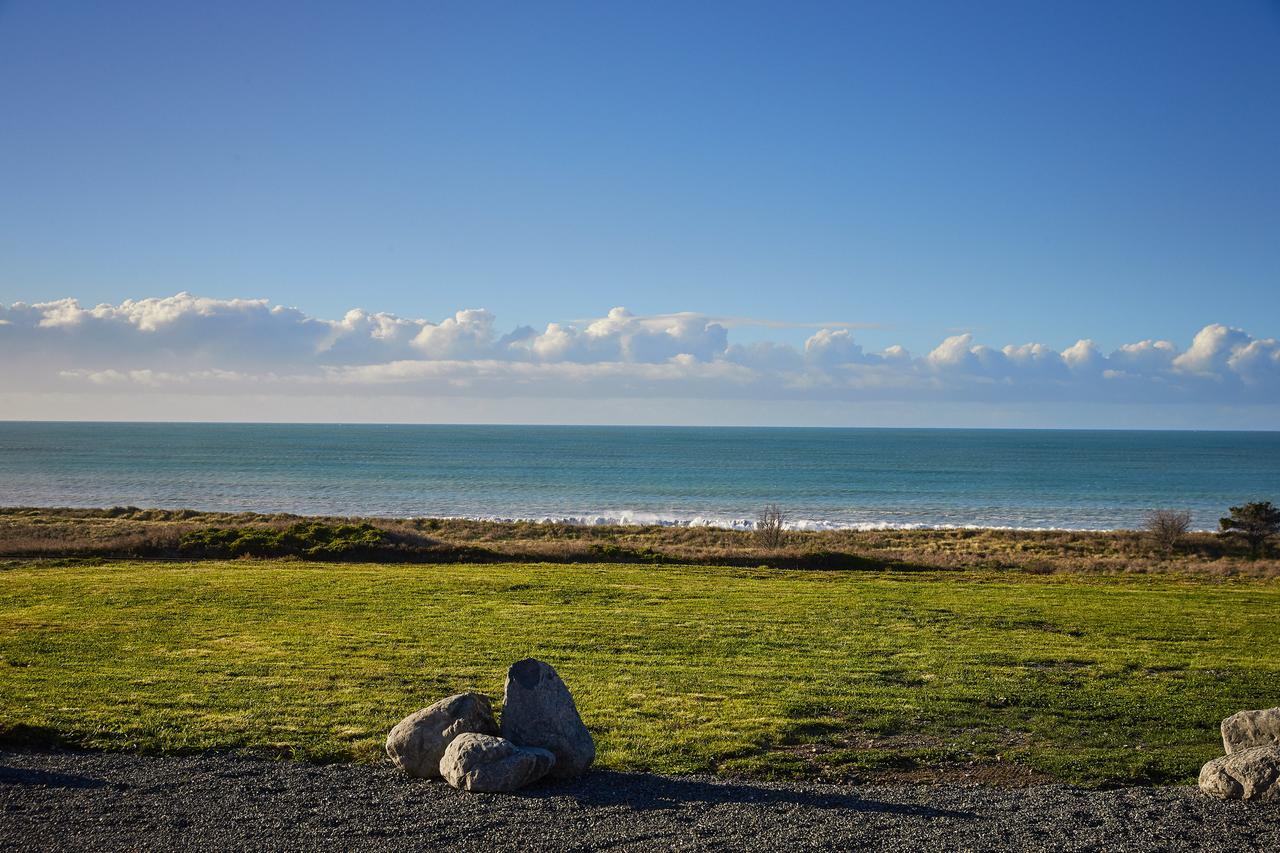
(313, 539)
(622, 554)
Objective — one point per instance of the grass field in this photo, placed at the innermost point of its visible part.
(676, 669)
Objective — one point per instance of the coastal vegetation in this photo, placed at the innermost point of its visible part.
(1167, 527)
(771, 526)
(132, 533)
(1255, 523)
(314, 539)
(975, 674)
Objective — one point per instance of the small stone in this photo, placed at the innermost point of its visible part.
(1249, 774)
(492, 765)
(418, 742)
(1249, 729)
(538, 710)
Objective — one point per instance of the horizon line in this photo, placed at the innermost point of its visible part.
(4, 420)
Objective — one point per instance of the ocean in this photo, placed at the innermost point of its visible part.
(821, 478)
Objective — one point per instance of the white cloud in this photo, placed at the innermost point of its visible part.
(958, 354)
(467, 334)
(1143, 357)
(623, 336)
(896, 352)
(1084, 358)
(1257, 362)
(833, 346)
(197, 345)
(1211, 350)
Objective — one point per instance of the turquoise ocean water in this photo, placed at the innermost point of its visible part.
(823, 478)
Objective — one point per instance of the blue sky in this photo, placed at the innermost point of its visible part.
(1025, 172)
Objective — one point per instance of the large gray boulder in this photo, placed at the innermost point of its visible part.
(1249, 729)
(1250, 774)
(537, 710)
(493, 765)
(417, 743)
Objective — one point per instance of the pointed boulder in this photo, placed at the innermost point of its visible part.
(418, 742)
(538, 710)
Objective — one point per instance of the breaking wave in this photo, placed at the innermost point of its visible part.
(726, 522)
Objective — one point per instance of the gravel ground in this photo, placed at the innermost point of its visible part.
(99, 801)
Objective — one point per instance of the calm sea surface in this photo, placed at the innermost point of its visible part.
(821, 477)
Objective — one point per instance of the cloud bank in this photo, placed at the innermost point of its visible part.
(199, 346)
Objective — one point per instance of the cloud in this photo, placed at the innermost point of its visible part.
(734, 322)
(177, 331)
(954, 353)
(958, 355)
(467, 334)
(833, 346)
(196, 345)
(1257, 363)
(765, 355)
(1084, 358)
(1212, 350)
(622, 336)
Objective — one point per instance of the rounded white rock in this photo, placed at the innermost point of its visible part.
(488, 764)
(418, 742)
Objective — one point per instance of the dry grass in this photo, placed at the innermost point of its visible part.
(126, 532)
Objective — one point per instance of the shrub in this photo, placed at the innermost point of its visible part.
(304, 539)
(1167, 526)
(1254, 522)
(621, 554)
(770, 526)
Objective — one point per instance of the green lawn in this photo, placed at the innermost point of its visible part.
(675, 669)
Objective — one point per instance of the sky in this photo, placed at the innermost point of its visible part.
(934, 214)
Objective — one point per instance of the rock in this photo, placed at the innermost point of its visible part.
(1250, 774)
(1248, 729)
(418, 742)
(488, 764)
(538, 710)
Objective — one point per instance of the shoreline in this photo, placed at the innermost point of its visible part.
(802, 525)
(134, 533)
(605, 518)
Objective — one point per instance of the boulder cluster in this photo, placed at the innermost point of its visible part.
(1251, 768)
(459, 739)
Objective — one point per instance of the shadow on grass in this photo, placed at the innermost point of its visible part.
(646, 792)
(36, 738)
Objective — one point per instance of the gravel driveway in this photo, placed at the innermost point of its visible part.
(99, 801)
